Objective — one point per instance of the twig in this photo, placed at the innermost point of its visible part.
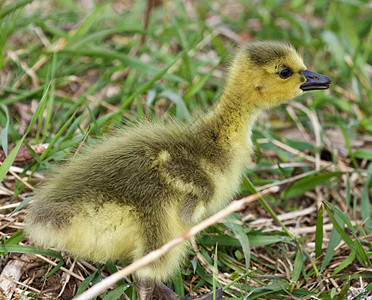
(28, 173)
(323, 163)
(67, 279)
(299, 125)
(29, 71)
(285, 181)
(12, 272)
(13, 205)
(27, 286)
(62, 268)
(207, 267)
(21, 180)
(154, 255)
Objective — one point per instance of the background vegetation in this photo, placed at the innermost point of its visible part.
(72, 70)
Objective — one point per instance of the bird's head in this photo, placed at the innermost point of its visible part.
(273, 71)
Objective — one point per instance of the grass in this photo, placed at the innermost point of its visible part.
(70, 73)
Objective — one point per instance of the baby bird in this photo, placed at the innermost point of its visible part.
(150, 182)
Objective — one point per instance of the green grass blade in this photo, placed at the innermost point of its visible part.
(4, 131)
(358, 248)
(363, 154)
(132, 62)
(39, 123)
(255, 240)
(215, 272)
(319, 233)
(334, 240)
(198, 85)
(342, 215)
(116, 293)
(85, 284)
(21, 205)
(34, 250)
(348, 144)
(7, 163)
(111, 267)
(272, 213)
(345, 263)
(182, 110)
(348, 193)
(248, 184)
(87, 24)
(22, 96)
(51, 100)
(15, 238)
(345, 289)
(32, 152)
(251, 187)
(39, 109)
(308, 183)
(178, 284)
(57, 136)
(140, 112)
(232, 223)
(237, 279)
(298, 265)
(10, 248)
(14, 5)
(365, 202)
(148, 84)
(310, 258)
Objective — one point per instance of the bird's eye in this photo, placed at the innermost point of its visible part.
(285, 73)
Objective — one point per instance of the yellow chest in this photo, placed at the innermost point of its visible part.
(226, 182)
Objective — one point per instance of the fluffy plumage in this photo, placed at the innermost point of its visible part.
(149, 183)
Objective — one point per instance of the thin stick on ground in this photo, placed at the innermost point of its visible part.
(152, 256)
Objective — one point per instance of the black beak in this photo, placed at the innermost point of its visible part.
(315, 81)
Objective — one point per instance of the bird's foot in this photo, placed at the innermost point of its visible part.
(148, 290)
(145, 289)
(164, 292)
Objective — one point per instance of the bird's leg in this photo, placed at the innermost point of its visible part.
(148, 289)
(145, 289)
(164, 292)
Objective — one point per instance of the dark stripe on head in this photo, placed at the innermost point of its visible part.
(264, 53)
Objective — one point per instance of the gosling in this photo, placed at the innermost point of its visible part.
(150, 182)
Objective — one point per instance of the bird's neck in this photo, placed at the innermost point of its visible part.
(232, 117)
